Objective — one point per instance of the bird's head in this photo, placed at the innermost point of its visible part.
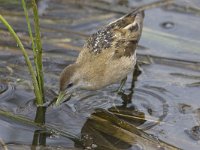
(69, 81)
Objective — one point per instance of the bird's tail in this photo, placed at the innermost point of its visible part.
(150, 6)
(129, 18)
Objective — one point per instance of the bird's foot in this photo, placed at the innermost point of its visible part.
(120, 89)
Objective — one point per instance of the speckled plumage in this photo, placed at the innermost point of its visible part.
(115, 33)
(107, 57)
(99, 41)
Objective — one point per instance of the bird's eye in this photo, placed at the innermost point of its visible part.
(69, 85)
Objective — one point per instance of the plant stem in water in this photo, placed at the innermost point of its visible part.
(30, 67)
(39, 68)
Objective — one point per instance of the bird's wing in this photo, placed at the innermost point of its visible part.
(119, 37)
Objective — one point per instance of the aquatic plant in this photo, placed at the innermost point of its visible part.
(36, 71)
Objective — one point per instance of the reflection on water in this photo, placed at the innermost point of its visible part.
(105, 130)
(162, 99)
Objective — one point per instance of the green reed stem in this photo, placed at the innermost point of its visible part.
(39, 66)
(30, 67)
(29, 27)
(33, 48)
(30, 31)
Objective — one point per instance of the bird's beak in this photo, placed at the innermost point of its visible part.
(61, 97)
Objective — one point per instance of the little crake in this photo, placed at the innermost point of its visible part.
(107, 56)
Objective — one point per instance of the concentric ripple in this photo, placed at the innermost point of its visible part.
(6, 91)
(153, 104)
(86, 102)
(144, 101)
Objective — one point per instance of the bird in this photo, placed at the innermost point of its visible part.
(107, 57)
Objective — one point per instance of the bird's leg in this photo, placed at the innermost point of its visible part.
(123, 81)
(127, 98)
(137, 71)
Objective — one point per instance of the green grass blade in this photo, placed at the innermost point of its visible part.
(29, 26)
(30, 67)
(38, 43)
(32, 40)
(30, 32)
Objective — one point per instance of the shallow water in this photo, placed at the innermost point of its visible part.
(164, 97)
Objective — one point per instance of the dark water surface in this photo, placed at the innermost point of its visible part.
(165, 95)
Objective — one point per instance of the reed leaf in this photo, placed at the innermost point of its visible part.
(28, 62)
(38, 43)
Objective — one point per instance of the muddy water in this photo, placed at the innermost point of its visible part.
(162, 99)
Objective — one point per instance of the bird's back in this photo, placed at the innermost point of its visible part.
(117, 39)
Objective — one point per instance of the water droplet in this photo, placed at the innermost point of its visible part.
(194, 133)
(18, 80)
(167, 25)
(185, 108)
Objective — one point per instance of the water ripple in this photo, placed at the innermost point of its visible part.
(151, 103)
(3, 88)
(6, 91)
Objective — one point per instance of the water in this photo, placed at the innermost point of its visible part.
(162, 101)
